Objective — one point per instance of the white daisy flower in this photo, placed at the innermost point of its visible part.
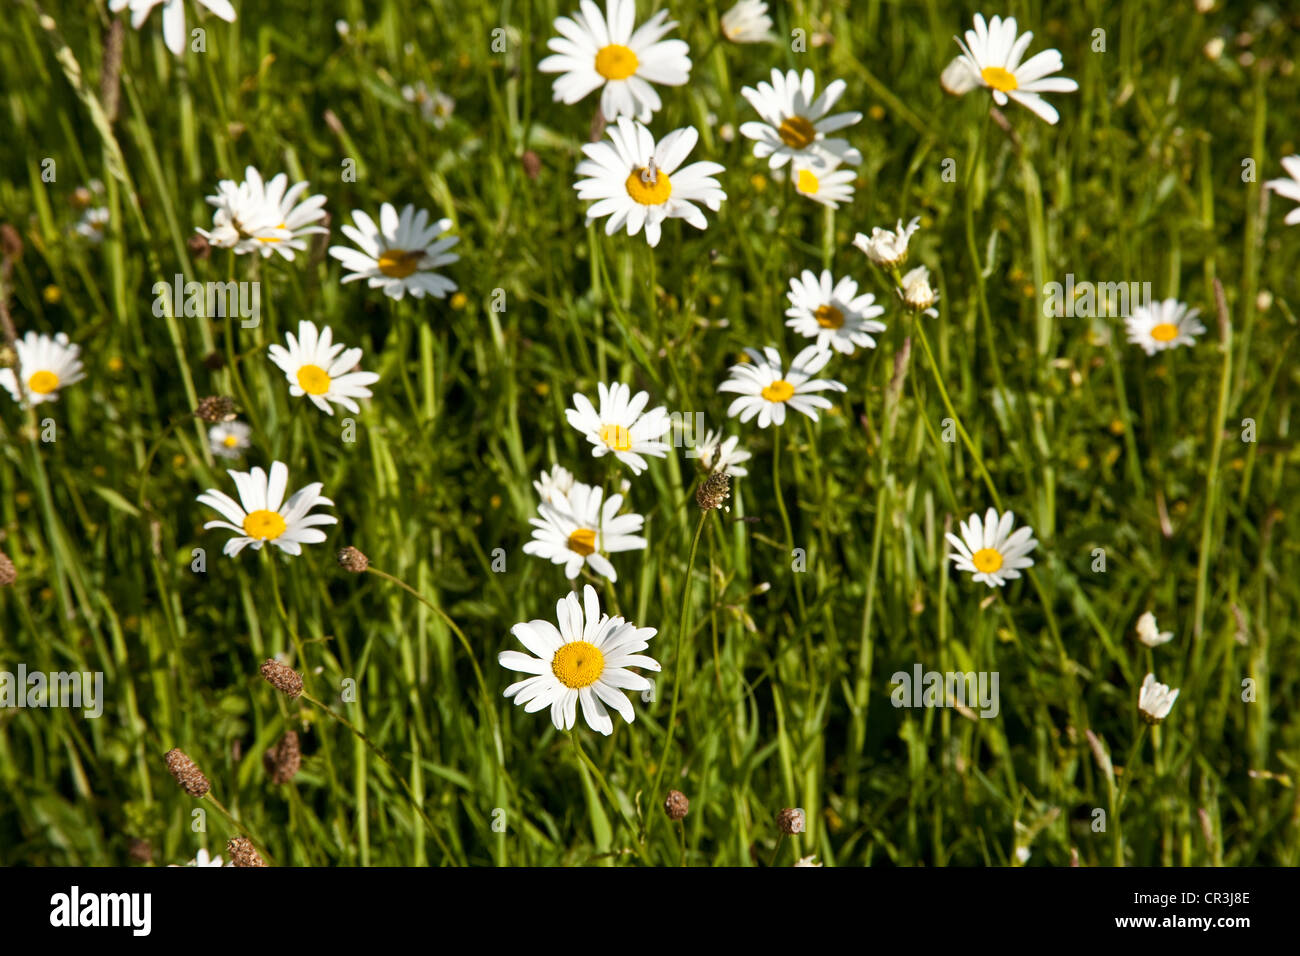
(1155, 700)
(229, 439)
(1289, 188)
(256, 216)
(825, 184)
(716, 455)
(887, 247)
(596, 51)
(434, 105)
(585, 661)
(574, 529)
(400, 254)
(993, 54)
(93, 224)
(765, 389)
(795, 123)
(200, 859)
(832, 312)
(47, 364)
(990, 550)
(314, 367)
(1163, 325)
(918, 295)
(559, 481)
(173, 17)
(637, 183)
(1151, 635)
(621, 426)
(263, 515)
(748, 22)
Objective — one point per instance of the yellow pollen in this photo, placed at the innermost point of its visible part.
(616, 62)
(263, 525)
(583, 542)
(43, 382)
(829, 317)
(779, 391)
(1165, 332)
(796, 132)
(578, 664)
(398, 263)
(987, 560)
(807, 182)
(616, 437)
(260, 239)
(313, 380)
(647, 193)
(1001, 80)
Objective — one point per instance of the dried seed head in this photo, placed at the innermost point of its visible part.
(11, 243)
(352, 560)
(283, 760)
(214, 361)
(790, 821)
(216, 409)
(282, 677)
(140, 850)
(187, 774)
(676, 806)
(714, 491)
(243, 853)
(8, 573)
(532, 164)
(199, 246)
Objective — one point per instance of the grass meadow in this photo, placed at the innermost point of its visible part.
(1162, 483)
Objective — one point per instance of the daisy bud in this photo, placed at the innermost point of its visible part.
(199, 247)
(282, 677)
(790, 821)
(715, 490)
(352, 560)
(8, 573)
(243, 853)
(187, 773)
(917, 293)
(283, 760)
(216, 409)
(676, 806)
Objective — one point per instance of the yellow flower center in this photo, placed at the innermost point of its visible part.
(230, 441)
(578, 664)
(43, 382)
(399, 263)
(616, 62)
(1165, 332)
(778, 391)
(313, 380)
(649, 193)
(583, 542)
(807, 182)
(263, 525)
(829, 317)
(616, 437)
(796, 132)
(987, 560)
(260, 239)
(1001, 80)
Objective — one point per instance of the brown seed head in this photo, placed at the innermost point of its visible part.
(216, 409)
(676, 806)
(243, 853)
(11, 243)
(282, 677)
(199, 246)
(352, 560)
(714, 491)
(187, 774)
(532, 164)
(8, 573)
(790, 821)
(283, 760)
(139, 849)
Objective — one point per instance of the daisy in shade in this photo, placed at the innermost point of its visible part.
(637, 183)
(621, 427)
(1163, 325)
(825, 184)
(715, 455)
(574, 529)
(609, 54)
(832, 312)
(1289, 188)
(558, 481)
(795, 121)
(229, 439)
(400, 254)
(583, 661)
(173, 17)
(262, 515)
(990, 550)
(993, 54)
(1155, 700)
(256, 216)
(747, 22)
(314, 367)
(47, 364)
(765, 389)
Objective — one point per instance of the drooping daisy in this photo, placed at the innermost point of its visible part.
(93, 224)
(173, 17)
(765, 389)
(715, 455)
(1163, 325)
(596, 51)
(993, 53)
(824, 183)
(262, 515)
(262, 217)
(1149, 633)
(887, 247)
(918, 295)
(229, 439)
(1289, 188)
(1155, 700)
(400, 254)
(558, 481)
(47, 364)
(636, 183)
(832, 312)
(314, 367)
(795, 123)
(575, 529)
(748, 22)
(621, 427)
(990, 550)
(583, 661)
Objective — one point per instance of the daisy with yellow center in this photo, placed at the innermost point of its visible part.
(322, 370)
(621, 427)
(576, 530)
(747, 22)
(263, 217)
(832, 312)
(584, 661)
(824, 183)
(795, 121)
(400, 253)
(263, 515)
(1163, 325)
(607, 52)
(991, 56)
(766, 388)
(229, 439)
(46, 363)
(990, 550)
